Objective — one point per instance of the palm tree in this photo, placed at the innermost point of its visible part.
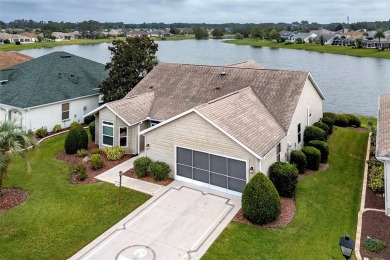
(379, 35)
(13, 140)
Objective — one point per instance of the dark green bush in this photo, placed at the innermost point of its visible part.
(329, 122)
(323, 126)
(329, 115)
(374, 245)
(77, 138)
(298, 158)
(40, 132)
(81, 172)
(341, 120)
(322, 147)
(89, 119)
(313, 133)
(353, 120)
(97, 161)
(141, 166)
(372, 162)
(313, 157)
(92, 130)
(159, 170)
(285, 178)
(260, 200)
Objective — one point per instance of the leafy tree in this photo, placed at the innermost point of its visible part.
(379, 35)
(174, 30)
(298, 40)
(322, 40)
(339, 27)
(13, 140)
(358, 42)
(131, 60)
(217, 33)
(273, 34)
(257, 32)
(201, 33)
(239, 36)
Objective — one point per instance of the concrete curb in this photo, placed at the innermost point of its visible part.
(362, 202)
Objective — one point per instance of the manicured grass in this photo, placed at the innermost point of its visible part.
(327, 207)
(58, 218)
(373, 53)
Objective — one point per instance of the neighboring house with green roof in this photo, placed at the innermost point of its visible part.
(57, 88)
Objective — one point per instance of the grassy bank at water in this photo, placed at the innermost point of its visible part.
(373, 53)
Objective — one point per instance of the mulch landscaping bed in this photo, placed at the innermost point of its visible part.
(285, 217)
(74, 160)
(377, 226)
(11, 198)
(130, 173)
(373, 199)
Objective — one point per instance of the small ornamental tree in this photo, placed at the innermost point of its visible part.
(76, 139)
(260, 200)
(322, 147)
(298, 158)
(313, 157)
(313, 133)
(285, 178)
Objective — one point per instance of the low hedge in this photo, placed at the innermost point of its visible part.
(377, 179)
(114, 153)
(313, 157)
(329, 122)
(159, 170)
(285, 178)
(323, 126)
(322, 147)
(353, 120)
(313, 133)
(341, 120)
(260, 200)
(329, 115)
(141, 166)
(298, 158)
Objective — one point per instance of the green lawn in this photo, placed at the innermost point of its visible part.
(373, 53)
(58, 218)
(327, 207)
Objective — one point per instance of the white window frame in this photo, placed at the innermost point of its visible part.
(111, 124)
(278, 147)
(299, 135)
(120, 136)
(64, 111)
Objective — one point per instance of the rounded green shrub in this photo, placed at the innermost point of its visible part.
(353, 120)
(313, 157)
(329, 122)
(298, 158)
(141, 166)
(92, 130)
(341, 120)
(323, 126)
(322, 147)
(81, 172)
(40, 132)
(97, 161)
(77, 138)
(329, 115)
(89, 119)
(114, 153)
(374, 245)
(159, 170)
(57, 128)
(285, 178)
(260, 200)
(313, 133)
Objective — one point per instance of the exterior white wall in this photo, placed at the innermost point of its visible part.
(271, 156)
(193, 132)
(50, 115)
(387, 188)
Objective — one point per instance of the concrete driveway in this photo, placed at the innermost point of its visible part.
(180, 222)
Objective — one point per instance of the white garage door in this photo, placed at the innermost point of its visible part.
(213, 171)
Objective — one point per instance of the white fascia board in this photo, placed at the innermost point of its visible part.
(118, 116)
(60, 102)
(316, 86)
(95, 110)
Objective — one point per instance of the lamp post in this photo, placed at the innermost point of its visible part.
(347, 245)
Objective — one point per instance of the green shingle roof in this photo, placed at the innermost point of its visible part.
(50, 78)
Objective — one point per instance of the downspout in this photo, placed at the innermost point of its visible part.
(138, 142)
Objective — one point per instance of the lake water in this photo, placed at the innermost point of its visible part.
(350, 84)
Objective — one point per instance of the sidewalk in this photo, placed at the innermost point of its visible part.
(112, 176)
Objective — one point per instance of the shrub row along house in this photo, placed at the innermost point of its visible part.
(215, 126)
(57, 88)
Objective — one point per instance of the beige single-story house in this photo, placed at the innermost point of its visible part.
(383, 144)
(214, 126)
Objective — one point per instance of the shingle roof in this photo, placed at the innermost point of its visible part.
(50, 78)
(242, 115)
(9, 59)
(133, 109)
(383, 138)
(248, 64)
(180, 87)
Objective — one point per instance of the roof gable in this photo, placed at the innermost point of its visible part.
(50, 78)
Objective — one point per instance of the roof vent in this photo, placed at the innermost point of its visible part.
(65, 56)
(218, 88)
(150, 87)
(2, 82)
(223, 73)
(59, 75)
